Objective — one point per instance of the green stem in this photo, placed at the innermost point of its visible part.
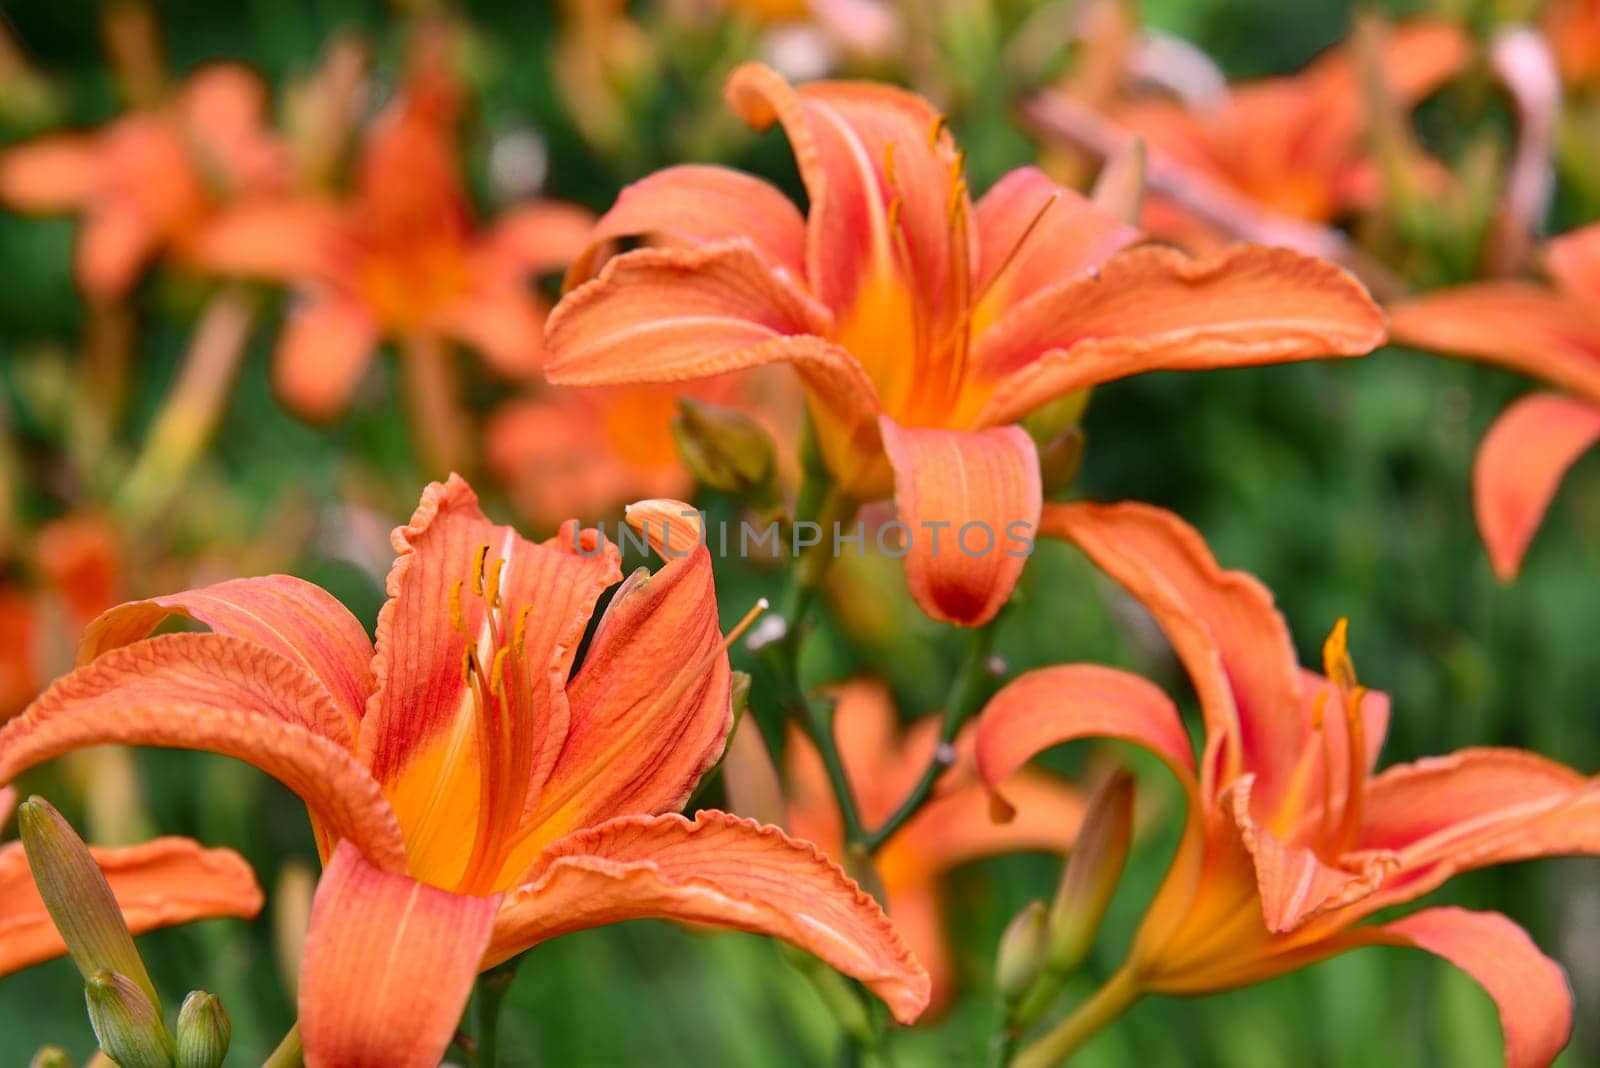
(288, 1053)
(493, 985)
(965, 693)
(1088, 1020)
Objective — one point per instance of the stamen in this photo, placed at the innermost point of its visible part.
(477, 568)
(1016, 247)
(497, 672)
(466, 666)
(457, 620)
(492, 584)
(940, 124)
(519, 631)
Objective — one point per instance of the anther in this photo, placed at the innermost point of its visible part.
(457, 621)
(477, 568)
(492, 584)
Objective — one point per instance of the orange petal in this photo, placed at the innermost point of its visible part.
(1059, 704)
(1033, 233)
(703, 205)
(218, 693)
(717, 870)
(388, 968)
(1520, 465)
(1528, 988)
(650, 704)
(915, 912)
(1151, 309)
(54, 174)
(1573, 260)
(322, 353)
(298, 620)
(1222, 624)
(969, 502)
(279, 240)
(421, 702)
(224, 110)
(501, 320)
(539, 238)
(158, 884)
(115, 242)
(1517, 325)
(862, 147)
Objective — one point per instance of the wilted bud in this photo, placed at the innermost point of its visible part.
(80, 900)
(1023, 949)
(1093, 869)
(723, 448)
(1061, 459)
(126, 1023)
(204, 1031)
(51, 1057)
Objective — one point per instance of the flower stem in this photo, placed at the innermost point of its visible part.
(434, 395)
(288, 1054)
(1088, 1020)
(493, 985)
(965, 691)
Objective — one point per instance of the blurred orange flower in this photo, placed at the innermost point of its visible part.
(923, 325)
(473, 796)
(954, 828)
(151, 182)
(1292, 839)
(1551, 332)
(1572, 28)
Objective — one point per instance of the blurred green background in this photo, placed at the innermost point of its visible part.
(1344, 487)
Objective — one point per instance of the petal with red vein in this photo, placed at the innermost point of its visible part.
(1519, 467)
(158, 884)
(717, 870)
(217, 693)
(970, 503)
(389, 966)
(1154, 309)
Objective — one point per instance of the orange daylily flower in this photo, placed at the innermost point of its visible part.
(923, 325)
(403, 258)
(1292, 837)
(161, 883)
(883, 764)
(1572, 29)
(1294, 146)
(151, 182)
(1551, 332)
(472, 795)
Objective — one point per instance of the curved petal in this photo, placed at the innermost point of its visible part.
(288, 240)
(290, 616)
(158, 884)
(1033, 233)
(695, 204)
(1222, 624)
(916, 914)
(1059, 704)
(861, 148)
(1528, 988)
(1516, 325)
(1573, 261)
(420, 735)
(1151, 309)
(501, 321)
(1519, 467)
(970, 503)
(51, 175)
(217, 693)
(115, 241)
(539, 238)
(388, 968)
(322, 353)
(650, 705)
(719, 870)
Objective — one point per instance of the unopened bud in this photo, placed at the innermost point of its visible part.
(1023, 949)
(1093, 869)
(204, 1031)
(1061, 459)
(723, 448)
(1048, 423)
(80, 900)
(51, 1057)
(739, 694)
(126, 1023)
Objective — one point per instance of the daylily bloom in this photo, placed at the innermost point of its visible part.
(923, 325)
(403, 258)
(1296, 146)
(1551, 332)
(1572, 28)
(149, 183)
(158, 884)
(883, 764)
(1292, 838)
(472, 795)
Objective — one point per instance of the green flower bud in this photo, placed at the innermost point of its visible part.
(1022, 952)
(1093, 869)
(204, 1031)
(723, 448)
(51, 1057)
(126, 1024)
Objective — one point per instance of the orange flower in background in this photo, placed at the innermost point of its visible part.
(1572, 29)
(1296, 146)
(163, 883)
(1551, 332)
(150, 183)
(923, 325)
(402, 258)
(471, 793)
(883, 765)
(1292, 838)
